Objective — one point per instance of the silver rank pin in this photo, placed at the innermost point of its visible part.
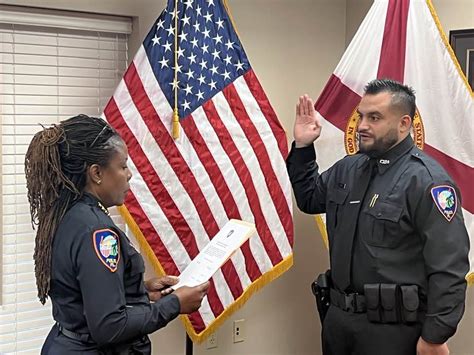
(384, 161)
(102, 207)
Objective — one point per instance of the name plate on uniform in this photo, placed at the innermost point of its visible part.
(216, 253)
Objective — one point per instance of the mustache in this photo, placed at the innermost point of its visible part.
(364, 134)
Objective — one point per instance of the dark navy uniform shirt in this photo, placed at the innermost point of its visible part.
(97, 280)
(409, 228)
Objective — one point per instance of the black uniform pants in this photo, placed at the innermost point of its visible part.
(346, 333)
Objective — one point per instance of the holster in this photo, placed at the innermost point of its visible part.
(321, 288)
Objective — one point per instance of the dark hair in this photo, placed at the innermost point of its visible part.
(403, 96)
(56, 174)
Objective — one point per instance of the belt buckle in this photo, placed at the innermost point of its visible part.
(350, 302)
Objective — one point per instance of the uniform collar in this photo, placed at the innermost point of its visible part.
(387, 159)
(91, 200)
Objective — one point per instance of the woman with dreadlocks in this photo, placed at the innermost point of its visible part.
(83, 261)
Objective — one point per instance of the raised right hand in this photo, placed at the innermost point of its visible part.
(307, 125)
(190, 298)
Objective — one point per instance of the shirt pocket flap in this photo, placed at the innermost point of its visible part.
(386, 211)
(338, 196)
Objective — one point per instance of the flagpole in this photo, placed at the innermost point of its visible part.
(175, 126)
(189, 345)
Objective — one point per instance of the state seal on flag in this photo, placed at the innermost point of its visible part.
(350, 134)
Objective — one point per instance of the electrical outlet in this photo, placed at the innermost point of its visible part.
(211, 342)
(239, 330)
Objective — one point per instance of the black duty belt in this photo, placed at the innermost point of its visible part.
(351, 302)
(383, 303)
(85, 338)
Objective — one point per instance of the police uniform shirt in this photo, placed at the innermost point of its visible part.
(378, 226)
(408, 230)
(97, 279)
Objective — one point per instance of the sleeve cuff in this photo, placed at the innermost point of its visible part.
(170, 307)
(436, 332)
(302, 155)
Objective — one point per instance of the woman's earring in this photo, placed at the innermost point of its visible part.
(99, 182)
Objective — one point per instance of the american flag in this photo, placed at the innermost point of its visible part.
(228, 162)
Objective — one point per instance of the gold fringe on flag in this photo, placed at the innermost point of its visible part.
(322, 229)
(142, 242)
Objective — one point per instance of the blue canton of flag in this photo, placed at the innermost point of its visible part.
(209, 53)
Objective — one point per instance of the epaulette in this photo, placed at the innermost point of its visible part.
(435, 169)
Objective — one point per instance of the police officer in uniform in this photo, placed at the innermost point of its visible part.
(88, 267)
(397, 239)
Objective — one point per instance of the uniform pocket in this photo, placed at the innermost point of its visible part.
(386, 230)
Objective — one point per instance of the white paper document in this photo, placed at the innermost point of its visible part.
(216, 253)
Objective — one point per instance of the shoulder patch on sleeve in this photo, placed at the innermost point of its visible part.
(107, 247)
(444, 197)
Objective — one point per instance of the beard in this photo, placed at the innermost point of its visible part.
(380, 145)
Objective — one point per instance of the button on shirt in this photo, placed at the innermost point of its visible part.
(401, 233)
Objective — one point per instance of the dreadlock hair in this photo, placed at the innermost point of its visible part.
(403, 96)
(56, 174)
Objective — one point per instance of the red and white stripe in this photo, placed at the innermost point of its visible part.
(400, 39)
(229, 162)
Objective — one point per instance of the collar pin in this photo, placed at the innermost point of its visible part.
(102, 207)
